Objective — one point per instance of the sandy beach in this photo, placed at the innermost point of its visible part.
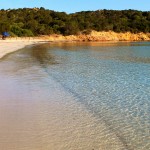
(40, 114)
(46, 106)
(37, 113)
(11, 45)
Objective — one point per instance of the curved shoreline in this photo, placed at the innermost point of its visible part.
(8, 46)
(50, 109)
(13, 44)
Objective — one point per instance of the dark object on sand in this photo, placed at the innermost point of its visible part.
(4, 35)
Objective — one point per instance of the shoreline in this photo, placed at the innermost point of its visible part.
(50, 108)
(60, 104)
(11, 45)
(15, 43)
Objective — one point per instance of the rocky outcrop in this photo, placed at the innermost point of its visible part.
(102, 36)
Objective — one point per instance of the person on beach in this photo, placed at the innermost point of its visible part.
(4, 35)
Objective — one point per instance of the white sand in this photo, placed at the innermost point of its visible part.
(11, 45)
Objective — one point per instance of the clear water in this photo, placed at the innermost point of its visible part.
(85, 95)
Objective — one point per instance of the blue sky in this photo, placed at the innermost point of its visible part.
(71, 6)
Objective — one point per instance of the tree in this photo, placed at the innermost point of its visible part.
(71, 27)
(28, 21)
(4, 26)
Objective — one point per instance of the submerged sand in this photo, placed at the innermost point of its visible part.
(36, 118)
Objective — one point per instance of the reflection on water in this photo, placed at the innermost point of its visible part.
(42, 55)
(76, 96)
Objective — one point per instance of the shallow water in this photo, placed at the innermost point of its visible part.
(76, 96)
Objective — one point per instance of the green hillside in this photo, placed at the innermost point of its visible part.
(40, 21)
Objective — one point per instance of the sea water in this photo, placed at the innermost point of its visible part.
(76, 96)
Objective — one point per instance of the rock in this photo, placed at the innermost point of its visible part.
(102, 36)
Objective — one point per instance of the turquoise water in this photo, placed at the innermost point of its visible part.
(114, 84)
(111, 81)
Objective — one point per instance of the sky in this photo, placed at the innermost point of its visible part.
(71, 6)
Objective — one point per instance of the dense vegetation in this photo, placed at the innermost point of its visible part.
(40, 21)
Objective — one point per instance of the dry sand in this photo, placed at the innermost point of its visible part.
(11, 45)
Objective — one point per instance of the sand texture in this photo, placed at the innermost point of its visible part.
(13, 44)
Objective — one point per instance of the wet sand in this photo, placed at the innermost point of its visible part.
(37, 115)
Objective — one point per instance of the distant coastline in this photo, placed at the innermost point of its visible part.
(93, 36)
(12, 44)
(101, 37)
